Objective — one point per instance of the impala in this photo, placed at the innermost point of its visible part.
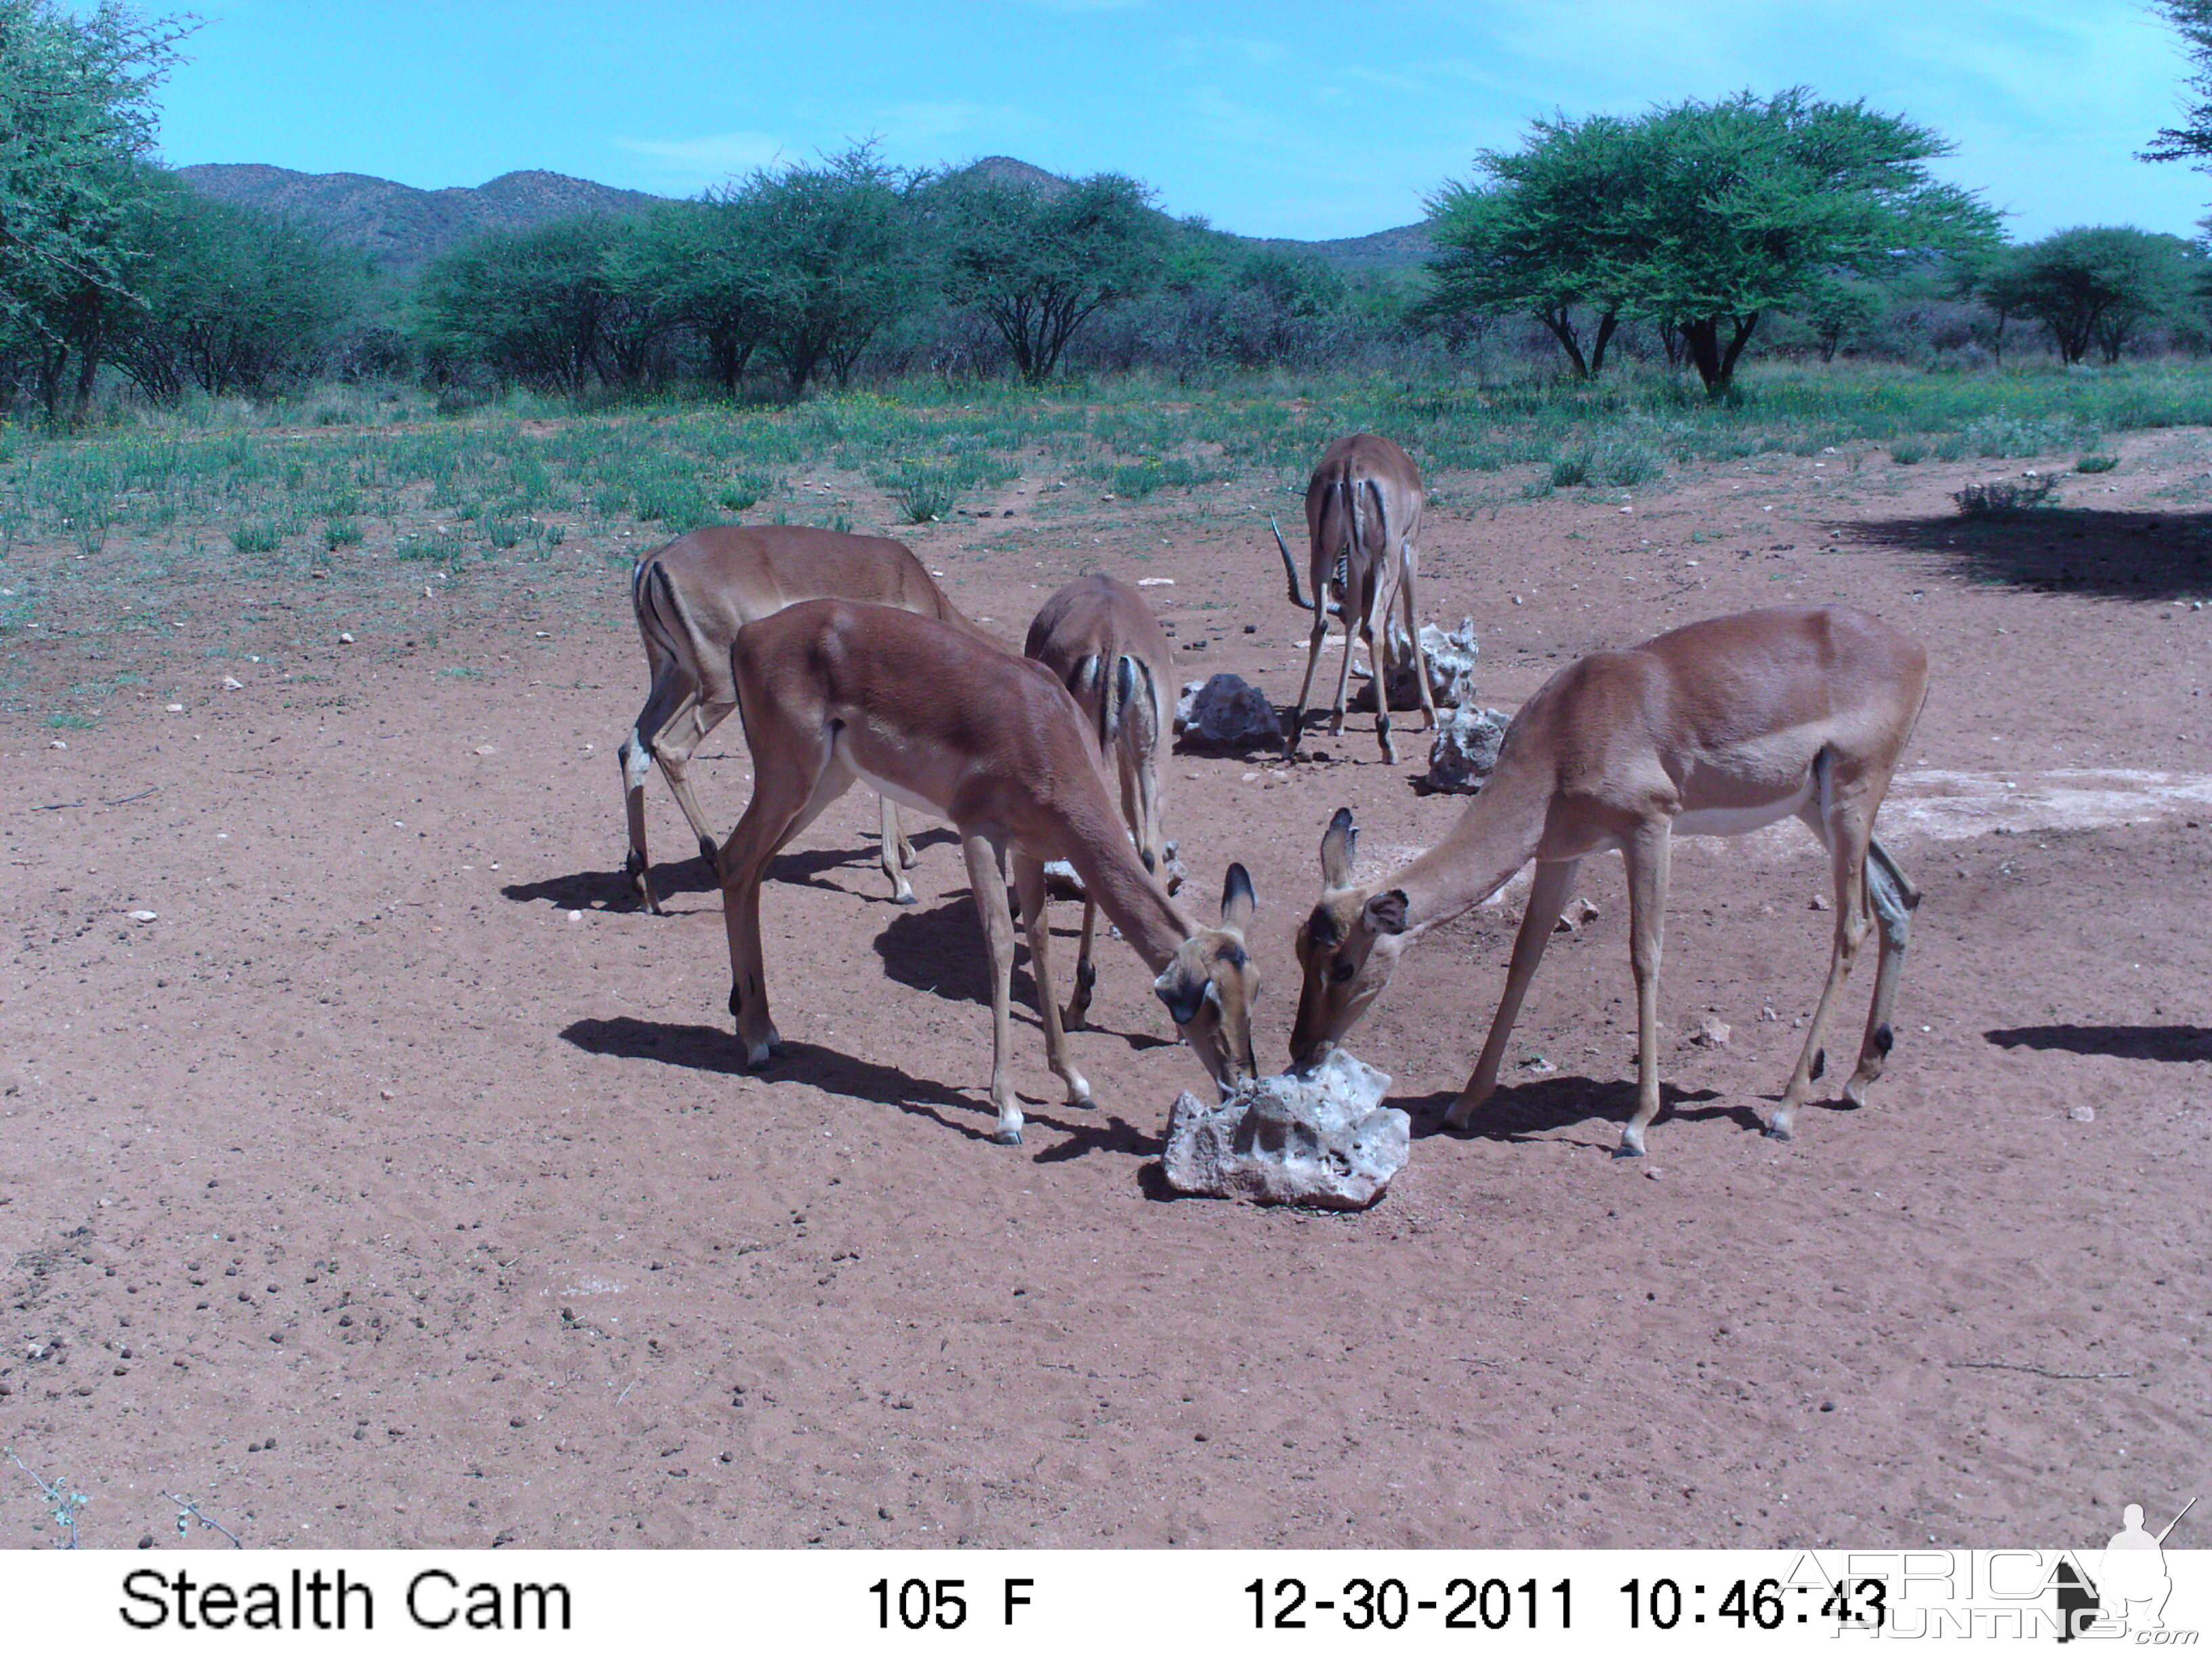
(1101, 642)
(691, 597)
(1718, 729)
(1362, 531)
(932, 717)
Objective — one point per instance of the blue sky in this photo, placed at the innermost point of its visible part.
(1296, 118)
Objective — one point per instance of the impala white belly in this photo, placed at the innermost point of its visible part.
(884, 786)
(1742, 820)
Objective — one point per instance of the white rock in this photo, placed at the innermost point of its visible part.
(2082, 1113)
(1464, 748)
(345, 639)
(144, 916)
(176, 708)
(230, 685)
(1320, 1139)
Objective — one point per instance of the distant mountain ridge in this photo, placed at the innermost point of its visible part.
(402, 228)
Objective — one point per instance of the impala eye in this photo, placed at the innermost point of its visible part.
(1342, 970)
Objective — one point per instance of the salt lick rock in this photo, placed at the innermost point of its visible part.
(1227, 712)
(1450, 658)
(1320, 1139)
(1464, 748)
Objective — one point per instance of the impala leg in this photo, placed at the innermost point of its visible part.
(673, 749)
(1892, 896)
(1029, 882)
(788, 795)
(1847, 839)
(987, 880)
(1086, 973)
(1344, 673)
(1420, 656)
(1313, 661)
(896, 852)
(667, 724)
(637, 766)
(1378, 658)
(1647, 855)
(1553, 885)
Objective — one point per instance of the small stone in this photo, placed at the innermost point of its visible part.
(576, 915)
(1820, 902)
(1653, 1175)
(144, 916)
(176, 708)
(1710, 1032)
(386, 1093)
(2082, 1113)
(1322, 1139)
(58, 743)
(230, 685)
(345, 639)
(1579, 914)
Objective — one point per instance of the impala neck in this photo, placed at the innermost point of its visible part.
(1498, 834)
(1132, 900)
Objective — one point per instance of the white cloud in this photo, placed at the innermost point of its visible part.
(709, 158)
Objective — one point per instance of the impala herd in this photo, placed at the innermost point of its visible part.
(847, 664)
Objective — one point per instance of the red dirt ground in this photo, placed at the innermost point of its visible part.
(397, 1184)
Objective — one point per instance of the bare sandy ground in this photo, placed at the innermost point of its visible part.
(396, 1183)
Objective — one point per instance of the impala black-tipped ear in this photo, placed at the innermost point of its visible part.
(1237, 900)
(1182, 997)
(1386, 912)
(1336, 847)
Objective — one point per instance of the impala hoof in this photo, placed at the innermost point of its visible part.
(1625, 1149)
(907, 897)
(1008, 1137)
(1776, 1132)
(757, 1054)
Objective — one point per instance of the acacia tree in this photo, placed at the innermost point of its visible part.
(2093, 285)
(530, 304)
(232, 300)
(836, 256)
(1536, 237)
(1040, 261)
(75, 119)
(2192, 140)
(1703, 217)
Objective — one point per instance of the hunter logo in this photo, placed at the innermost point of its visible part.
(2128, 1594)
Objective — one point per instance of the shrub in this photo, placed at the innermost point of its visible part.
(341, 533)
(923, 493)
(2096, 463)
(256, 536)
(1570, 467)
(1908, 452)
(2007, 497)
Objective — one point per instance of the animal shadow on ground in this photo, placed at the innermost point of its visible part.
(2061, 550)
(941, 951)
(711, 1049)
(612, 889)
(1528, 1110)
(2176, 1043)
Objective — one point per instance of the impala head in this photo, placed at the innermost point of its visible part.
(1348, 949)
(1209, 985)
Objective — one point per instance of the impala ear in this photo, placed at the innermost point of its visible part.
(1181, 997)
(1237, 901)
(1337, 846)
(1386, 912)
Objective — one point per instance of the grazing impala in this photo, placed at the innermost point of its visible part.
(932, 717)
(1715, 729)
(1362, 519)
(691, 597)
(1101, 642)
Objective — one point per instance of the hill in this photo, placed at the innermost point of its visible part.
(402, 228)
